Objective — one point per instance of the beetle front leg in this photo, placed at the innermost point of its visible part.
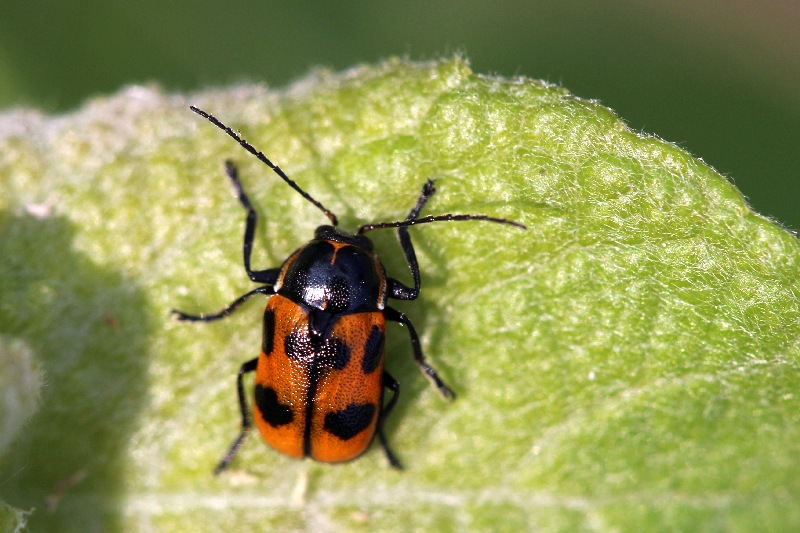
(249, 366)
(396, 316)
(270, 275)
(398, 290)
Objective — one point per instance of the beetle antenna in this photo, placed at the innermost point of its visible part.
(438, 218)
(261, 157)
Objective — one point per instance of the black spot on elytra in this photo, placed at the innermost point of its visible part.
(334, 354)
(351, 421)
(269, 331)
(331, 353)
(373, 350)
(275, 413)
(298, 347)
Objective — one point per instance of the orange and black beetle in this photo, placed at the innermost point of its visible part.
(320, 377)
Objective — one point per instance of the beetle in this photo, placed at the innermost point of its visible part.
(320, 376)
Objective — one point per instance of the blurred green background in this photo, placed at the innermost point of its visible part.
(720, 78)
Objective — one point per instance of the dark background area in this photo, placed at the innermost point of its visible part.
(721, 78)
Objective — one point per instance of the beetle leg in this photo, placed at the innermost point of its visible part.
(397, 289)
(184, 317)
(270, 275)
(396, 316)
(249, 366)
(390, 383)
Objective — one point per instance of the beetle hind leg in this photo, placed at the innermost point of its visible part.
(249, 366)
(390, 383)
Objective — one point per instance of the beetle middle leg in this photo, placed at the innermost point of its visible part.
(396, 316)
(268, 276)
(204, 317)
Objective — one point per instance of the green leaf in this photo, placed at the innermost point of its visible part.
(628, 363)
(11, 519)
